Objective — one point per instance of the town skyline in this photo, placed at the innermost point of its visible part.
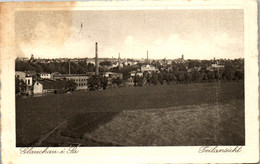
(115, 58)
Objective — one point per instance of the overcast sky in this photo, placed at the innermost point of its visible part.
(198, 34)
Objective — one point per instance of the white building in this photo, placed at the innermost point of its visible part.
(45, 76)
(37, 88)
(132, 73)
(217, 66)
(29, 81)
(140, 74)
(148, 67)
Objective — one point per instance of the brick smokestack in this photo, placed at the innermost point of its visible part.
(147, 58)
(96, 59)
(119, 61)
(69, 66)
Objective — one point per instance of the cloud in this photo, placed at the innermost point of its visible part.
(223, 40)
(64, 41)
(129, 40)
(220, 45)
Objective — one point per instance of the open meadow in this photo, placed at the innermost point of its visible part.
(156, 115)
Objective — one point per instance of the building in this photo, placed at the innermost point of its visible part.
(149, 68)
(45, 76)
(91, 61)
(48, 86)
(31, 74)
(217, 66)
(80, 79)
(132, 73)
(37, 87)
(117, 64)
(112, 75)
(54, 74)
(179, 60)
(129, 81)
(29, 81)
(140, 74)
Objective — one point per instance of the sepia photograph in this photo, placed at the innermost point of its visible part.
(130, 78)
(147, 82)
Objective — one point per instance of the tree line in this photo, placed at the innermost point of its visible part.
(61, 67)
(192, 71)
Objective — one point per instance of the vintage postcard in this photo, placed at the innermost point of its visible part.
(129, 82)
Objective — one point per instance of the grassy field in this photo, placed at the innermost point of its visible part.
(88, 113)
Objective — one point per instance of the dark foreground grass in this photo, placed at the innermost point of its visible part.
(218, 124)
(36, 116)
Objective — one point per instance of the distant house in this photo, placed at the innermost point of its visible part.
(179, 60)
(169, 62)
(129, 81)
(190, 70)
(132, 73)
(112, 75)
(149, 68)
(80, 79)
(31, 74)
(48, 86)
(37, 87)
(54, 74)
(116, 64)
(29, 81)
(197, 68)
(209, 68)
(45, 76)
(91, 61)
(140, 74)
(217, 66)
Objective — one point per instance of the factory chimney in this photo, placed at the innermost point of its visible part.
(147, 56)
(119, 61)
(69, 66)
(96, 59)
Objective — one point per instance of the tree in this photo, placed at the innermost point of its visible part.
(117, 81)
(193, 63)
(94, 82)
(229, 70)
(138, 81)
(154, 78)
(148, 77)
(70, 85)
(239, 75)
(211, 76)
(160, 77)
(105, 63)
(20, 87)
(91, 67)
(104, 81)
(180, 76)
